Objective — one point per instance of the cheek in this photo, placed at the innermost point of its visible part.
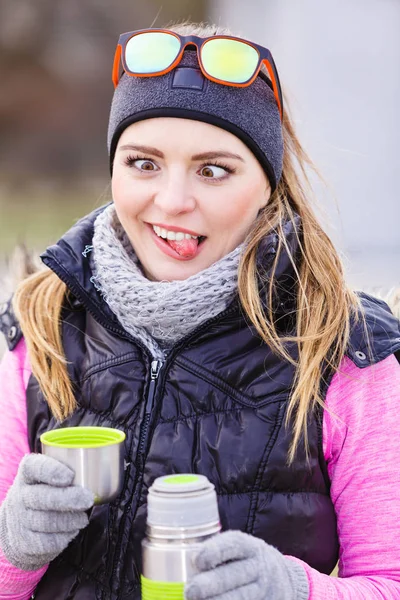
(125, 194)
(242, 205)
(117, 190)
(120, 186)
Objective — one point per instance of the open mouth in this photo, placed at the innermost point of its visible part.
(178, 244)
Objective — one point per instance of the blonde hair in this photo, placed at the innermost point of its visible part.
(324, 308)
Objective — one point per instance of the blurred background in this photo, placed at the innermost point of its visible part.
(339, 63)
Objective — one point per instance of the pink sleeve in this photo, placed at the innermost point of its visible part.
(361, 437)
(14, 376)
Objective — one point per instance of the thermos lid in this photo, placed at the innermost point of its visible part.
(184, 500)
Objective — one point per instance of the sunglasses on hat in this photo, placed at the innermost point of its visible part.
(223, 59)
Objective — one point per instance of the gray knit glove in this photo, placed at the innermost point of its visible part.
(42, 512)
(237, 566)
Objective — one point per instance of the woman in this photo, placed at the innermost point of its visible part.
(210, 277)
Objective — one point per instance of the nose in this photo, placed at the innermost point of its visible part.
(174, 196)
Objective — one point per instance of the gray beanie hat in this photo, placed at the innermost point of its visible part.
(251, 113)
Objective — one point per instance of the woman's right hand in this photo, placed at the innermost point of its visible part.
(42, 512)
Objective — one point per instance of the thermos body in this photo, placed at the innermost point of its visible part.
(170, 560)
(182, 514)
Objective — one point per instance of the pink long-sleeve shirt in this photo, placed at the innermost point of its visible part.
(361, 443)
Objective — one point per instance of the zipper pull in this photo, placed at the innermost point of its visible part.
(155, 369)
(154, 373)
(87, 250)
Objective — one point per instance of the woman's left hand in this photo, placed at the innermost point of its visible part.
(237, 566)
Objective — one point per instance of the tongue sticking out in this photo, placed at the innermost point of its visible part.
(186, 248)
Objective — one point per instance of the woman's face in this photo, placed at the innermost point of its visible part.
(174, 179)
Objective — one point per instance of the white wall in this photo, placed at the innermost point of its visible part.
(340, 62)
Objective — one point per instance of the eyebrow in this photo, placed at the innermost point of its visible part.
(144, 149)
(201, 156)
(211, 155)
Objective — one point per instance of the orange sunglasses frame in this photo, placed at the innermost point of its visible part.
(264, 57)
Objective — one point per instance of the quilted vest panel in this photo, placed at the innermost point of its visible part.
(218, 409)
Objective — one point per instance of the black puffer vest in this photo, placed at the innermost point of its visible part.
(216, 406)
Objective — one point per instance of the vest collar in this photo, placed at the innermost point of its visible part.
(69, 258)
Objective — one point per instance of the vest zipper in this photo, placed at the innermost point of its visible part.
(143, 440)
(154, 373)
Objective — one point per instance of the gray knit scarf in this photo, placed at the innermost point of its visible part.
(159, 313)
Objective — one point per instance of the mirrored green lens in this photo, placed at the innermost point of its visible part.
(151, 52)
(230, 60)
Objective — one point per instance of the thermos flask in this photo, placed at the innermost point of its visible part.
(182, 513)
